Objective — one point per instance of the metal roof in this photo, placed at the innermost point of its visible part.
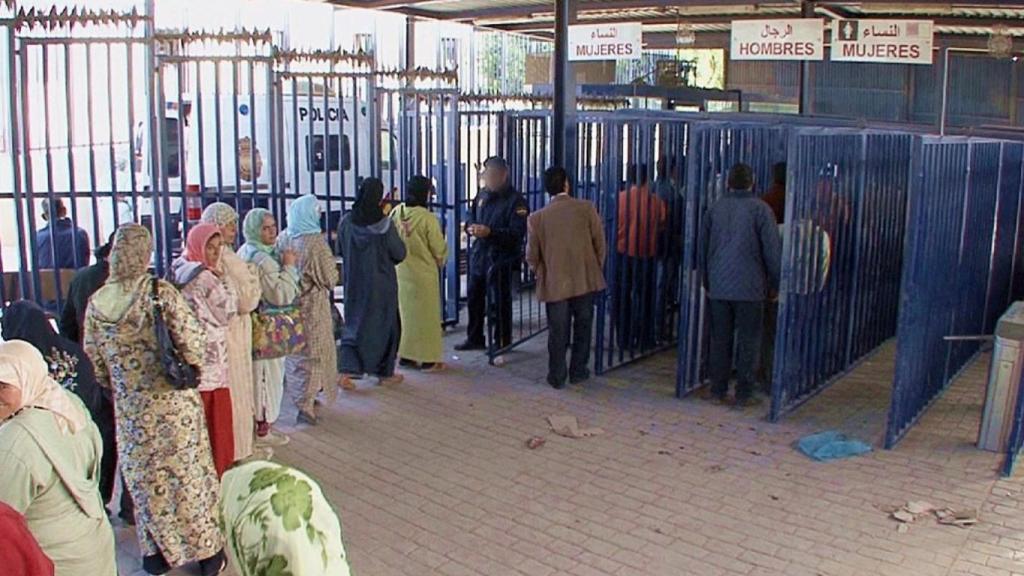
(536, 17)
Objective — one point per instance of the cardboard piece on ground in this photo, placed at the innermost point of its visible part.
(568, 426)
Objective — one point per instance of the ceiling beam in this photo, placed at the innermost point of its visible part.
(542, 25)
(378, 4)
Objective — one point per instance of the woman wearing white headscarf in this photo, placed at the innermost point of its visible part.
(51, 453)
(245, 281)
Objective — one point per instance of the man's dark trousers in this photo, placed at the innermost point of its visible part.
(571, 319)
(490, 299)
(738, 324)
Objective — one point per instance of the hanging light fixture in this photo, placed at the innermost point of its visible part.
(685, 36)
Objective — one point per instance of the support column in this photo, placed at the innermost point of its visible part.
(409, 54)
(564, 116)
(806, 11)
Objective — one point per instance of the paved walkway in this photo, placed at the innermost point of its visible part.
(432, 477)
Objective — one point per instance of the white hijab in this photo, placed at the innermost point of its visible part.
(23, 367)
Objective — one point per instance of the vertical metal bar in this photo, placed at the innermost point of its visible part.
(310, 134)
(20, 151)
(236, 87)
(130, 88)
(201, 128)
(355, 128)
(110, 132)
(296, 151)
(218, 128)
(53, 215)
(69, 111)
(182, 158)
(328, 80)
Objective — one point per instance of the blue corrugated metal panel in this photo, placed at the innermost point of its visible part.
(846, 198)
(1004, 241)
(961, 193)
(1016, 440)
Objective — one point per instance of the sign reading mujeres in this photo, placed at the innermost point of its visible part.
(790, 39)
(605, 42)
(887, 41)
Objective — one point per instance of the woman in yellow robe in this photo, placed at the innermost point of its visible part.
(419, 286)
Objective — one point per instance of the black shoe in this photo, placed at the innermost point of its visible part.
(214, 564)
(580, 378)
(470, 346)
(155, 564)
(556, 385)
(747, 402)
(713, 396)
(407, 363)
(307, 418)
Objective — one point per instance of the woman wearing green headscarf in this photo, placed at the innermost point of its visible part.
(277, 521)
(279, 281)
(316, 367)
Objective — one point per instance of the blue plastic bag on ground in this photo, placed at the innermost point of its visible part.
(831, 445)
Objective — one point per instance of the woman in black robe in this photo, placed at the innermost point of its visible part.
(371, 248)
(70, 367)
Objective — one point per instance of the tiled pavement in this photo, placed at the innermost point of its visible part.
(432, 477)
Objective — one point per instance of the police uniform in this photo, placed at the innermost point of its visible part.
(493, 262)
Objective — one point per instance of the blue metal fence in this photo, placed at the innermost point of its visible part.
(1015, 442)
(959, 193)
(846, 196)
(712, 149)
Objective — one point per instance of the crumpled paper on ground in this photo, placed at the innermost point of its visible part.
(568, 426)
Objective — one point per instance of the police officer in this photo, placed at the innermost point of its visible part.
(497, 227)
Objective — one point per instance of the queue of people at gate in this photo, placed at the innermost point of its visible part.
(178, 383)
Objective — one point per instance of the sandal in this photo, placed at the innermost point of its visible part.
(347, 384)
(434, 368)
(391, 380)
(307, 418)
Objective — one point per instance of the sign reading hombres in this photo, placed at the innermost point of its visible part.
(792, 39)
(606, 42)
(887, 41)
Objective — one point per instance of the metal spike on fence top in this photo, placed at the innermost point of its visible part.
(188, 36)
(337, 56)
(69, 18)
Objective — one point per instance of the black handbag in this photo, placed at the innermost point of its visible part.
(182, 375)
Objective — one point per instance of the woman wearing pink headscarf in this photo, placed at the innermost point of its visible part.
(199, 276)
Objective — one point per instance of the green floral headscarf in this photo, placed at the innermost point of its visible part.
(278, 523)
(252, 229)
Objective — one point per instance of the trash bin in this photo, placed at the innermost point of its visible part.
(1004, 380)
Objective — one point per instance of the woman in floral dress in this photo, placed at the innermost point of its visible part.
(199, 274)
(163, 446)
(316, 368)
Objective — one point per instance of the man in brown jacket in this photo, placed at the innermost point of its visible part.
(566, 249)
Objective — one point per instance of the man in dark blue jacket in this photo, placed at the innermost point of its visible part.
(497, 227)
(60, 244)
(740, 259)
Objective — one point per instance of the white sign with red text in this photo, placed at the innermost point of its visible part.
(792, 39)
(605, 42)
(887, 41)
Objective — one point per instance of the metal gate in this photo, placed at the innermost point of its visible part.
(956, 191)
(843, 246)
(714, 147)
(79, 110)
(419, 136)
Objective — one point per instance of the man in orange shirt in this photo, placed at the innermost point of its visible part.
(640, 218)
